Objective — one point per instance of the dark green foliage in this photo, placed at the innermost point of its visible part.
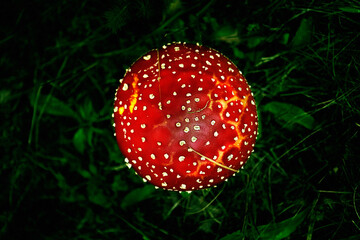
(62, 175)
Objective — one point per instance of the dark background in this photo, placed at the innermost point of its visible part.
(62, 175)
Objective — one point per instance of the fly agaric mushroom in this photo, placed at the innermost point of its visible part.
(185, 118)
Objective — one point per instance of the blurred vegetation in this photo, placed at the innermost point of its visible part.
(62, 175)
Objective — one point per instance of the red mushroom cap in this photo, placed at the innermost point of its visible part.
(184, 117)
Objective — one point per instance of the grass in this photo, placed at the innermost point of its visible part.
(63, 177)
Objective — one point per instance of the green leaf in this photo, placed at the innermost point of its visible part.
(84, 173)
(285, 38)
(93, 169)
(304, 33)
(283, 229)
(271, 231)
(79, 140)
(255, 41)
(137, 195)
(119, 184)
(239, 54)
(61, 181)
(87, 111)
(234, 236)
(51, 105)
(5, 96)
(289, 114)
(350, 9)
(96, 195)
